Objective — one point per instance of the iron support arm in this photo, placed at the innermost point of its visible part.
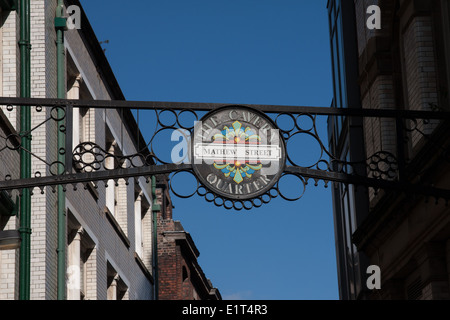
(160, 105)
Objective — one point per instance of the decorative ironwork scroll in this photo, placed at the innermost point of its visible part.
(91, 162)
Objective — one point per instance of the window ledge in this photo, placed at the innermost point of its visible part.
(144, 268)
(117, 227)
(92, 190)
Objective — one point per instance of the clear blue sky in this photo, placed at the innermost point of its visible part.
(244, 52)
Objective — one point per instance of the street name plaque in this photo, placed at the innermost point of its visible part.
(237, 152)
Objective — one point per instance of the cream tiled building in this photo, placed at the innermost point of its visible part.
(109, 229)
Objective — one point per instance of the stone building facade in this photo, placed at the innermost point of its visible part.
(109, 234)
(404, 65)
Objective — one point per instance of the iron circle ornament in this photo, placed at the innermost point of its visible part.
(237, 152)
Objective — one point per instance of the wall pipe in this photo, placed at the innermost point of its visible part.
(60, 25)
(25, 157)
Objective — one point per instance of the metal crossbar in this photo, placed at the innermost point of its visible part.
(381, 170)
(201, 106)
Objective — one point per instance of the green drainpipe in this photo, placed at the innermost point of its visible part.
(60, 25)
(25, 157)
(155, 208)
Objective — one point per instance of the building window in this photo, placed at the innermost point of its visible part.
(85, 124)
(116, 287)
(185, 274)
(83, 119)
(338, 62)
(116, 198)
(74, 94)
(143, 227)
(111, 194)
(81, 269)
(138, 224)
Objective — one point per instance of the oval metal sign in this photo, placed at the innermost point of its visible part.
(237, 152)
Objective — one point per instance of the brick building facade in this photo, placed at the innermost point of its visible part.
(180, 277)
(403, 65)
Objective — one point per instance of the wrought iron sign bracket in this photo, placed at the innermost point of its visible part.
(240, 155)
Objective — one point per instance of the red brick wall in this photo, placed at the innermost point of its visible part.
(170, 266)
(168, 261)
